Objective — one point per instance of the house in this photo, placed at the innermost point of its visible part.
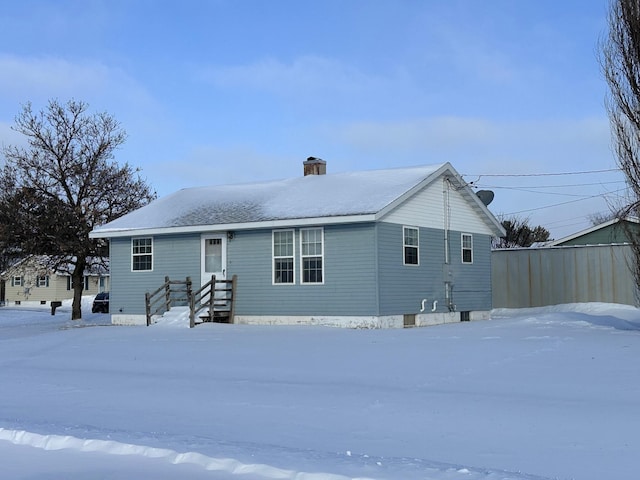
(383, 248)
(612, 232)
(31, 281)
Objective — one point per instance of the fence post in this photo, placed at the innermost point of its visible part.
(212, 295)
(167, 295)
(147, 301)
(232, 313)
(192, 306)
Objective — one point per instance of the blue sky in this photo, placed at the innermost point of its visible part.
(229, 91)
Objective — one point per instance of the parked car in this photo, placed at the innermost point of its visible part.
(101, 303)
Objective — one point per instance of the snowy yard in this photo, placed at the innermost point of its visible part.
(529, 395)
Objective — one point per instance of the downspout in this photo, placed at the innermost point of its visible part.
(447, 225)
(446, 186)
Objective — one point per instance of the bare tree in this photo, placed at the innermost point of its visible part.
(620, 62)
(598, 218)
(65, 183)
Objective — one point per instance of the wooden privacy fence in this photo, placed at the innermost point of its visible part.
(214, 301)
(535, 277)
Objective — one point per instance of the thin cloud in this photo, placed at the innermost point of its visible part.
(213, 165)
(48, 74)
(307, 74)
(548, 142)
(39, 78)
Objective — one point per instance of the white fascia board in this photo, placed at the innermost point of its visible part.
(447, 168)
(295, 222)
(412, 191)
(467, 191)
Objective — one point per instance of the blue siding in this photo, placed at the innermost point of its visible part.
(471, 282)
(363, 273)
(402, 287)
(349, 275)
(177, 256)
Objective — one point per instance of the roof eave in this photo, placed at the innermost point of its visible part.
(593, 228)
(285, 223)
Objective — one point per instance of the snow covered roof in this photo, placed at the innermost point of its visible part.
(337, 197)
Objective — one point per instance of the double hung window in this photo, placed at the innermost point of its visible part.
(283, 257)
(467, 248)
(142, 254)
(311, 254)
(411, 245)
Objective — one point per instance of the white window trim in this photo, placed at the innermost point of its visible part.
(462, 248)
(17, 281)
(273, 256)
(404, 245)
(141, 254)
(43, 281)
(302, 257)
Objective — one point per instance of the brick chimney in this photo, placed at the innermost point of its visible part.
(314, 166)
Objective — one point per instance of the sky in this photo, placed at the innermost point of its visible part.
(235, 91)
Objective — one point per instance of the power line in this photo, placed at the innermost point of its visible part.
(563, 203)
(556, 186)
(545, 193)
(532, 189)
(585, 172)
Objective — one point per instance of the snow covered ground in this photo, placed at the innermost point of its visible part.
(529, 395)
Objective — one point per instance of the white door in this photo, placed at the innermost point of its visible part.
(214, 257)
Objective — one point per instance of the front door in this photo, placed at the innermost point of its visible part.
(214, 257)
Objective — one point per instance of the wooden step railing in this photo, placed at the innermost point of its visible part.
(218, 307)
(213, 302)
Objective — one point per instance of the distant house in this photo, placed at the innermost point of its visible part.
(612, 232)
(385, 248)
(32, 281)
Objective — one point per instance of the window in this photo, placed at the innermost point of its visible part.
(43, 281)
(467, 248)
(410, 244)
(142, 254)
(86, 282)
(213, 255)
(311, 254)
(16, 281)
(283, 255)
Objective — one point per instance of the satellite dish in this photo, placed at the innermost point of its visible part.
(485, 196)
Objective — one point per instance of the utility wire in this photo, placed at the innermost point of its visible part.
(563, 203)
(541, 174)
(531, 190)
(555, 186)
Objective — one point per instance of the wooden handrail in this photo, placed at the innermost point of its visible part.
(198, 300)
